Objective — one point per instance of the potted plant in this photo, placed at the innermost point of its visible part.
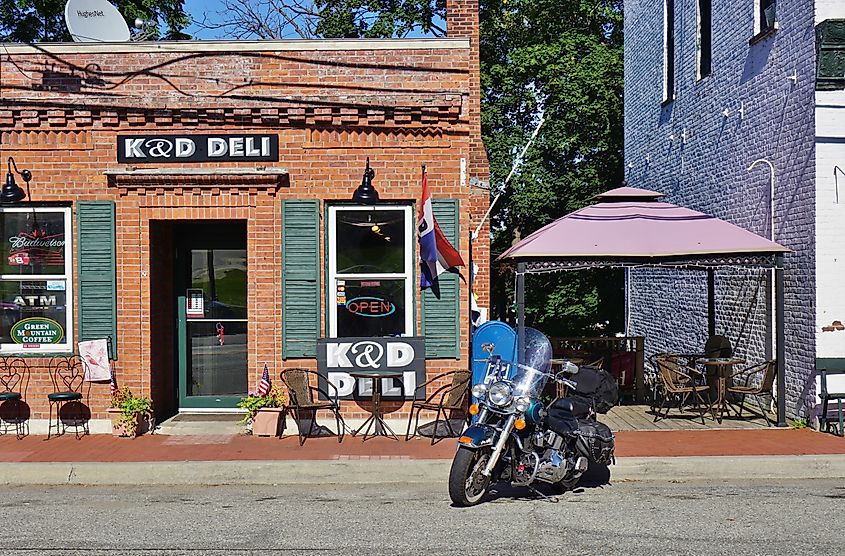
(264, 413)
(129, 412)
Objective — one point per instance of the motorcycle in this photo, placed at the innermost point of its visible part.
(515, 437)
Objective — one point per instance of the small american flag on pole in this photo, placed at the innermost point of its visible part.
(113, 384)
(264, 385)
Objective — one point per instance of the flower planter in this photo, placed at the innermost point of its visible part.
(268, 421)
(121, 429)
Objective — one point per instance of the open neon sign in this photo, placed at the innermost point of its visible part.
(370, 307)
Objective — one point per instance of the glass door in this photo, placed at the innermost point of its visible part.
(212, 325)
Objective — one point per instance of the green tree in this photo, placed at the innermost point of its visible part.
(561, 58)
(379, 18)
(43, 20)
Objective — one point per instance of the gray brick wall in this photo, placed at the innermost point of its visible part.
(698, 154)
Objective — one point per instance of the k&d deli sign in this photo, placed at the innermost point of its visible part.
(197, 148)
(337, 357)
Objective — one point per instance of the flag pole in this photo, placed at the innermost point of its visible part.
(474, 234)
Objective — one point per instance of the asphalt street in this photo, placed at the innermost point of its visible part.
(632, 518)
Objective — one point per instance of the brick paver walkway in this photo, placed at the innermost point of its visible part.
(667, 443)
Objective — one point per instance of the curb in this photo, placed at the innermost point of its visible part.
(385, 471)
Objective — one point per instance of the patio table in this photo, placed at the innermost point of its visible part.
(376, 419)
(722, 367)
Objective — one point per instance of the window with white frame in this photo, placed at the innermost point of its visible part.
(370, 274)
(765, 16)
(36, 280)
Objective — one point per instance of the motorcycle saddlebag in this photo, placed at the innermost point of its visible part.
(598, 386)
(594, 440)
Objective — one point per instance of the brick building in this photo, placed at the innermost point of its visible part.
(722, 113)
(199, 197)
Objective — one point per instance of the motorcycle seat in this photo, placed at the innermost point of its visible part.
(561, 418)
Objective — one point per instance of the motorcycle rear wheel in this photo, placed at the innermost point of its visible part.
(466, 483)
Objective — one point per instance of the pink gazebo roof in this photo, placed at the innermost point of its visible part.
(620, 227)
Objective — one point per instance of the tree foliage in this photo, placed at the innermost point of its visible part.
(561, 59)
(43, 20)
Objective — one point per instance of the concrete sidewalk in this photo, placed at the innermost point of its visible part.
(211, 460)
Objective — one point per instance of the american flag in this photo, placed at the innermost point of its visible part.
(113, 384)
(264, 385)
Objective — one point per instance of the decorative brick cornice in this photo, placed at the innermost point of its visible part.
(165, 180)
(431, 111)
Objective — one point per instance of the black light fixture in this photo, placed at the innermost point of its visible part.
(11, 193)
(366, 194)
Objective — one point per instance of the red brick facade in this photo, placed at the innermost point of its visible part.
(402, 103)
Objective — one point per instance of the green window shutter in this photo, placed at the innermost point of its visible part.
(300, 277)
(441, 317)
(97, 281)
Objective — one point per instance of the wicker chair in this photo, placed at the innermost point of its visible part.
(301, 400)
(747, 387)
(449, 397)
(682, 384)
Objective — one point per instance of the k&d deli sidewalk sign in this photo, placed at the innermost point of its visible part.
(337, 357)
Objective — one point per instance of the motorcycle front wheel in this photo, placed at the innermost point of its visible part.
(466, 483)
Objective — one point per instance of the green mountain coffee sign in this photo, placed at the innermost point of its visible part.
(37, 330)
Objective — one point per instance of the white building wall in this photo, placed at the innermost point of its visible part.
(830, 207)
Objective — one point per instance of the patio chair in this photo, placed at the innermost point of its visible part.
(67, 375)
(680, 383)
(14, 380)
(301, 400)
(748, 387)
(450, 397)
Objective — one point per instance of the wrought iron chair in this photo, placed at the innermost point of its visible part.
(681, 383)
(67, 374)
(449, 396)
(749, 387)
(301, 400)
(14, 380)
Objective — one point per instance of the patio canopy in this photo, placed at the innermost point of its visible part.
(631, 227)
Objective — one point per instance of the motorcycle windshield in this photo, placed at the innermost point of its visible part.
(533, 373)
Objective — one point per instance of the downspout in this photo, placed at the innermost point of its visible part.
(777, 302)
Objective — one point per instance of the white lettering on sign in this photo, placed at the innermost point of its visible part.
(133, 148)
(185, 147)
(346, 385)
(399, 354)
(368, 354)
(336, 355)
(217, 147)
(35, 300)
(236, 146)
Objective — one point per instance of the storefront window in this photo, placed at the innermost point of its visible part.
(370, 271)
(35, 280)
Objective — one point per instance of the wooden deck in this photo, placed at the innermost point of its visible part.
(640, 417)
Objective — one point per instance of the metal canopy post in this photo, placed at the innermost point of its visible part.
(520, 311)
(711, 301)
(779, 339)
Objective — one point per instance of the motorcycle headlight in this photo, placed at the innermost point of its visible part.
(478, 390)
(522, 404)
(500, 394)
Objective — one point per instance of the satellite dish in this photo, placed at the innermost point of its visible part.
(95, 21)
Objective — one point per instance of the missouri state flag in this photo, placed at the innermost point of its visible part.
(436, 253)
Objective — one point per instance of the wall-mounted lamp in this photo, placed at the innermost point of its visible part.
(11, 193)
(366, 194)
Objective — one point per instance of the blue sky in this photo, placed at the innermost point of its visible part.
(195, 9)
